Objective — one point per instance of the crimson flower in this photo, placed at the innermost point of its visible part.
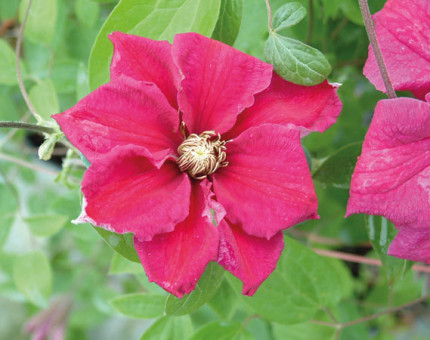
(392, 176)
(186, 130)
(403, 27)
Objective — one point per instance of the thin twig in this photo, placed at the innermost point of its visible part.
(342, 325)
(269, 17)
(387, 311)
(361, 259)
(25, 164)
(370, 28)
(26, 126)
(18, 66)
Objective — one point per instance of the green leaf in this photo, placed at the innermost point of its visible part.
(228, 24)
(40, 27)
(64, 75)
(218, 330)
(295, 61)
(82, 84)
(140, 305)
(44, 98)
(170, 328)
(288, 15)
(7, 64)
(205, 289)
(8, 9)
(302, 283)
(120, 265)
(337, 169)
(352, 11)
(46, 225)
(121, 243)
(381, 233)
(87, 12)
(33, 277)
(304, 331)
(154, 19)
(224, 302)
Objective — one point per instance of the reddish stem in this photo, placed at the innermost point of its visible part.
(370, 28)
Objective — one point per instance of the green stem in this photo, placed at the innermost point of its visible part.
(26, 126)
(18, 66)
(370, 28)
(269, 17)
(371, 317)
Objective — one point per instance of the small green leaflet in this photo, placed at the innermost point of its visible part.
(228, 24)
(295, 61)
(140, 305)
(288, 15)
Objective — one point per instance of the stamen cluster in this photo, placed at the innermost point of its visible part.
(201, 155)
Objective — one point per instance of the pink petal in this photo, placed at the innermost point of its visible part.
(121, 112)
(176, 260)
(314, 108)
(412, 244)
(251, 259)
(129, 191)
(145, 60)
(403, 27)
(392, 176)
(267, 185)
(218, 81)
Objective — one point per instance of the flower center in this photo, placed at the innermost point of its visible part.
(201, 155)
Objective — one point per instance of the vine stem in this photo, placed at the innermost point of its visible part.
(362, 259)
(18, 66)
(370, 28)
(26, 126)
(373, 316)
(269, 17)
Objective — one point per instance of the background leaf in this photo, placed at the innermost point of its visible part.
(44, 98)
(7, 64)
(205, 289)
(170, 328)
(288, 15)
(46, 225)
(41, 21)
(304, 331)
(140, 305)
(159, 20)
(121, 243)
(295, 61)
(33, 277)
(337, 169)
(228, 24)
(301, 284)
(381, 233)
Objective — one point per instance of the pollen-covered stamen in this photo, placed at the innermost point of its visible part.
(201, 155)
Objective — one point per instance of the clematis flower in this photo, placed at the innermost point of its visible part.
(192, 128)
(392, 176)
(402, 28)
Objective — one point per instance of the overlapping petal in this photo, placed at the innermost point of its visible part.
(412, 244)
(392, 176)
(267, 185)
(176, 260)
(402, 28)
(122, 112)
(145, 59)
(313, 108)
(218, 82)
(251, 259)
(128, 190)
